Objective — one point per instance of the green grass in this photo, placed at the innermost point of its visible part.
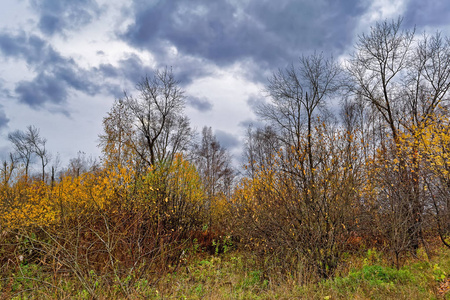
(235, 275)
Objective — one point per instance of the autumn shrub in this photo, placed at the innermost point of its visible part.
(110, 221)
(434, 152)
(406, 190)
(300, 217)
(26, 203)
(388, 204)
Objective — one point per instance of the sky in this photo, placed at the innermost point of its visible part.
(64, 62)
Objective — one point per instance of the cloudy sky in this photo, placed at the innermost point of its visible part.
(64, 62)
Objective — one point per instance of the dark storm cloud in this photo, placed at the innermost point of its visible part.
(55, 73)
(58, 16)
(268, 33)
(41, 89)
(133, 69)
(30, 48)
(201, 104)
(227, 140)
(427, 13)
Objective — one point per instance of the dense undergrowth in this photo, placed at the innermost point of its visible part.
(234, 274)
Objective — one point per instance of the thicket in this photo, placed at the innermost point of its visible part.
(316, 186)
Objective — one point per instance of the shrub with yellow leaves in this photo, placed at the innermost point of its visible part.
(301, 213)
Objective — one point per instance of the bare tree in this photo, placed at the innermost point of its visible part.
(213, 163)
(376, 66)
(427, 81)
(150, 126)
(296, 94)
(39, 147)
(7, 169)
(405, 81)
(82, 164)
(261, 148)
(23, 149)
(162, 129)
(298, 174)
(55, 166)
(28, 144)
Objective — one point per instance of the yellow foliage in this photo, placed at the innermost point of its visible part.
(172, 191)
(36, 203)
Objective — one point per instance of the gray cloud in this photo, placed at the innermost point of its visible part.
(187, 69)
(270, 34)
(55, 73)
(201, 104)
(227, 140)
(31, 48)
(108, 70)
(131, 67)
(427, 13)
(247, 123)
(35, 51)
(134, 69)
(43, 88)
(5, 92)
(58, 16)
(254, 101)
(4, 120)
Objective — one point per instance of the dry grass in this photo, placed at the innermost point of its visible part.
(236, 275)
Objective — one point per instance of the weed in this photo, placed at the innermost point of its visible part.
(439, 274)
(196, 245)
(199, 290)
(222, 246)
(236, 276)
(373, 257)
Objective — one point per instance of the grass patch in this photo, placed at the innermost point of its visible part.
(235, 275)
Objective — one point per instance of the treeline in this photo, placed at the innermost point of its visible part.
(317, 183)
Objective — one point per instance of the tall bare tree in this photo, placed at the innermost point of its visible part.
(296, 94)
(39, 145)
(377, 66)
(27, 144)
(213, 163)
(300, 182)
(7, 169)
(261, 148)
(404, 80)
(154, 125)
